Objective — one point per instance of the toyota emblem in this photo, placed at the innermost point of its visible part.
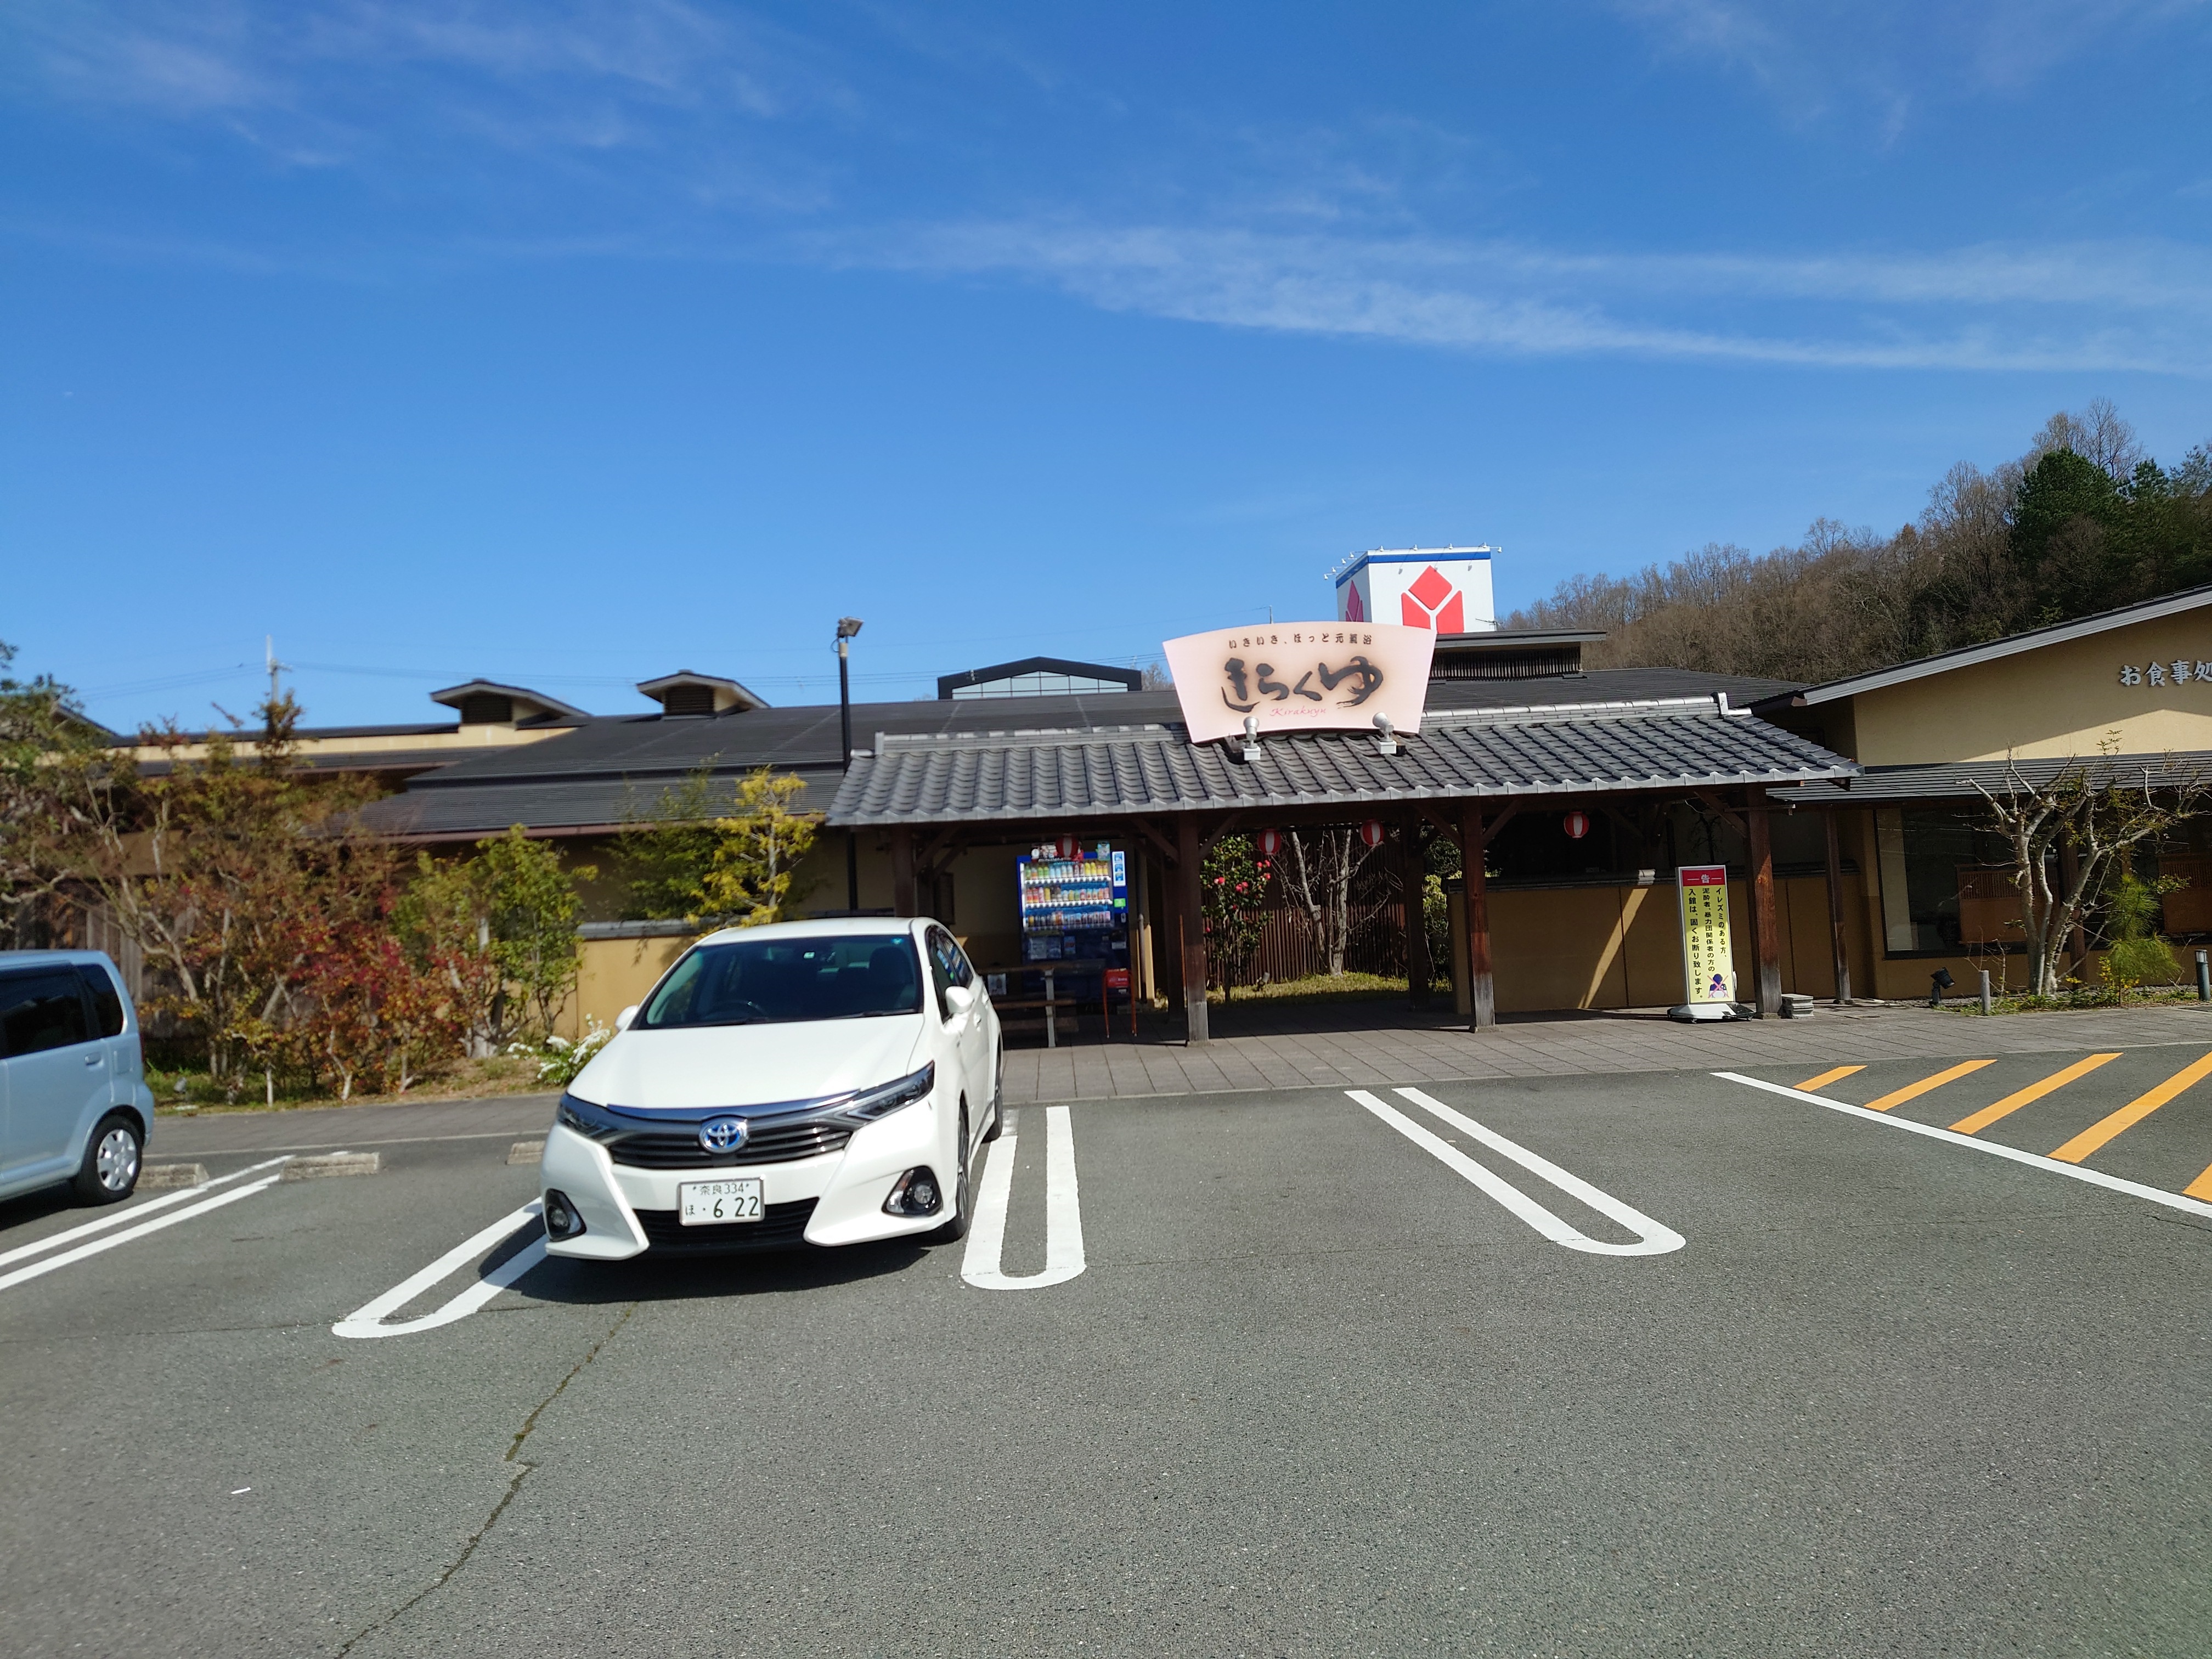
(722, 1135)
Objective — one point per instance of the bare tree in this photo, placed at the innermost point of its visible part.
(2097, 435)
(2098, 813)
(1316, 868)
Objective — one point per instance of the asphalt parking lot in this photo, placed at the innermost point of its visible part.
(1659, 1363)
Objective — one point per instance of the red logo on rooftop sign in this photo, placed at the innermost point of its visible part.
(1432, 602)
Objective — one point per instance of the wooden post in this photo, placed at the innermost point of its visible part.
(1189, 873)
(1766, 936)
(1474, 844)
(1835, 908)
(902, 894)
(1413, 870)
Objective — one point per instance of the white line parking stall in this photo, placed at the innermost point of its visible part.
(177, 1207)
(1063, 1214)
(370, 1319)
(1652, 1237)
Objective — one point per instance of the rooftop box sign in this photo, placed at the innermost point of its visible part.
(1301, 677)
(1443, 588)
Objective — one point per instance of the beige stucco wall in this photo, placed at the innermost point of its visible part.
(1620, 947)
(2051, 702)
(614, 973)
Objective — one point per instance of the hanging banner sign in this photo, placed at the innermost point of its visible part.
(1301, 677)
(1708, 952)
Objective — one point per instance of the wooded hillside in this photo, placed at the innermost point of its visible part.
(2082, 522)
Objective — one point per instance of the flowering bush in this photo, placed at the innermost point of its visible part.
(559, 1061)
(1234, 891)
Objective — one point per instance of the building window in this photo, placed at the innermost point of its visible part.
(1946, 884)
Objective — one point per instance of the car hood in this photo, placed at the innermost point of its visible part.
(710, 1066)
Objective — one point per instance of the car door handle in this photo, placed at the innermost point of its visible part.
(92, 1060)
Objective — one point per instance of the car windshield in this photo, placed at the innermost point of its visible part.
(747, 981)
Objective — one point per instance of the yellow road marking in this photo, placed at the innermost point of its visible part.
(2034, 1092)
(2133, 1113)
(1826, 1078)
(1914, 1090)
(2200, 1188)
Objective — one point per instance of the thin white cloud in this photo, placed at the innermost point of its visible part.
(1816, 56)
(1980, 308)
(555, 72)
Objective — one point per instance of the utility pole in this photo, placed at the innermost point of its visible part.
(269, 652)
(847, 627)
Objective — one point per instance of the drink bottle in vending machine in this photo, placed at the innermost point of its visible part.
(1075, 920)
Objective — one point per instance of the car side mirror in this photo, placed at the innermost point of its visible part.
(623, 1018)
(959, 998)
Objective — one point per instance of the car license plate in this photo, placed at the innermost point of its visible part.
(710, 1203)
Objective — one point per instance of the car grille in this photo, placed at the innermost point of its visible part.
(767, 1144)
(780, 1227)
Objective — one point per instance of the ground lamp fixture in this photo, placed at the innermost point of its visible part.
(847, 627)
(1938, 983)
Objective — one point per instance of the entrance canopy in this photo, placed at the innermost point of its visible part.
(1467, 771)
(1676, 745)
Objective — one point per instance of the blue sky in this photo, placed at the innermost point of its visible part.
(572, 344)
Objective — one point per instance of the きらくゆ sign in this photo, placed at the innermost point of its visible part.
(1301, 677)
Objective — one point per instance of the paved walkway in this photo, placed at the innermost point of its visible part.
(1364, 1044)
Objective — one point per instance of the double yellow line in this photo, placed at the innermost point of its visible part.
(2081, 1146)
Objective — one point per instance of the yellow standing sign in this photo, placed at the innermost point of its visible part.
(1708, 953)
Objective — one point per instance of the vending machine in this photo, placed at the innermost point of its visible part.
(1075, 923)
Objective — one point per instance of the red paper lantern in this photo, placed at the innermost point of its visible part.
(1270, 842)
(1372, 832)
(1065, 847)
(1577, 825)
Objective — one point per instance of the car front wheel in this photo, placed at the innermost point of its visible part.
(955, 1226)
(109, 1169)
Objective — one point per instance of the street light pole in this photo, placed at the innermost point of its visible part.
(847, 628)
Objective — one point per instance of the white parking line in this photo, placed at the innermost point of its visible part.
(1652, 1238)
(367, 1319)
(1995, 1149)
(99, 1245)
(1063, 1211)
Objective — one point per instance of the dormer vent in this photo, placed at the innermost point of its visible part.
(687, 693)
(485, 703)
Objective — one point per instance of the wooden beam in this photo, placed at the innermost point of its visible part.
(1721, 810)
(903, 893)
(1413, 873)
(1189, 873)
(1228, 824)
(1766, 936)
(1166, 848)
(1437, 815)
(1491, 826)
(1473, 838)
(1836, 907)
(926, 859)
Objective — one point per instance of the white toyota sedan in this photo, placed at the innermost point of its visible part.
(826, 1082)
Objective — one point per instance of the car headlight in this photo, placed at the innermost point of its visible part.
(586, 1119)
(882, 1101)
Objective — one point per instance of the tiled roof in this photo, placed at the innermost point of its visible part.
(1879, 785)
(1559, 749)
(587, 778)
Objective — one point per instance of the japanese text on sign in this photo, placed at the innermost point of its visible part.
(2180, 672)
(1708, 953)
(1304, 676)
